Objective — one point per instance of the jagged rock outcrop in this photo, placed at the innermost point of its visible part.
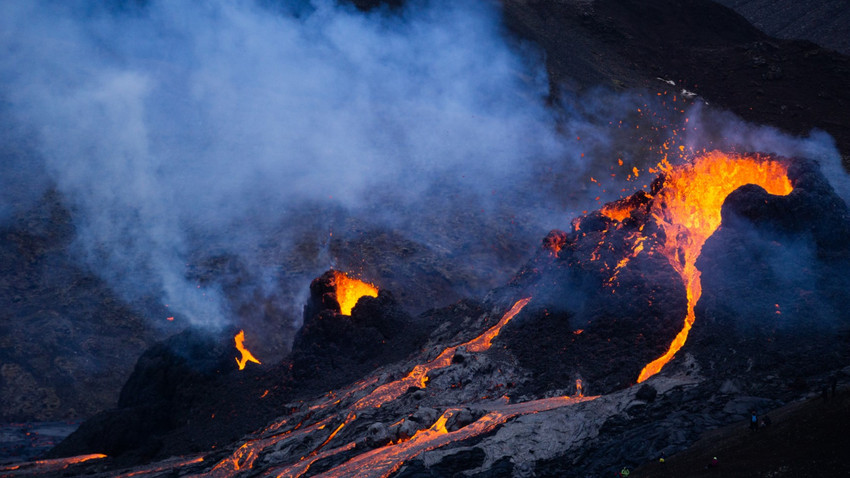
(338, 348)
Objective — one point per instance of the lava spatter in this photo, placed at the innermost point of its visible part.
(349, 290)
(687, 208)
(246, 356)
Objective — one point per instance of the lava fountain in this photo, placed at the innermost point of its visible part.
(349, 290)
(687, 208)
(247, 356)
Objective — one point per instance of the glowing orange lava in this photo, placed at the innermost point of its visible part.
(247, 356)
(616, 211)
(383, 462)
(688, 210)
(44, 467)
(350, 290)
(244, 458)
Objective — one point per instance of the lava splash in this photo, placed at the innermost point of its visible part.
(349, 290)
(247, 356)
(687, 208)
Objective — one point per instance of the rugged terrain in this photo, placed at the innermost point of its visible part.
(539, 378)
(772, 326)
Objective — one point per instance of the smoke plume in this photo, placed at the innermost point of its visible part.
(178, 127)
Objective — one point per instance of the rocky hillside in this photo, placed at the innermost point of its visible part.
(539, 378)
(825, 22)
(472, 358)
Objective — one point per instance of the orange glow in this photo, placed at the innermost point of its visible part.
(383, 462)
(350, 290)
(171, 465)
(40, 467)
(418, 377)
(555, 241)
(616, 211)
(688, 210)
(247, 356)
(244, 457)
(485, 340)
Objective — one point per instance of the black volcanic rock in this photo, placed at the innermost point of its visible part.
(169, 379)
(592, 316)
(775, 288)
(67, 342)
(186, 394)
(593, 320)
(701, 46)
(336, 348)
(646, 393)
(168, 369)
(825, 22)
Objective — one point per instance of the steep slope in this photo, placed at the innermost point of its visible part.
(67, 342)
(702, 47)
(825, 22)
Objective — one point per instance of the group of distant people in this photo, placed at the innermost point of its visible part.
(755, 424)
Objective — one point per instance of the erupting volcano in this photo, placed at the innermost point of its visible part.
(352, 195)
(687, 207)
(485, 379)
(349, 290)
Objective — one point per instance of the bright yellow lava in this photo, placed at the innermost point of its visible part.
(688, 210)
(247, 356)
(350, 290)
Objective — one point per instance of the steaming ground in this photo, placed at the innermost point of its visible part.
(197, 132)
(216, 156)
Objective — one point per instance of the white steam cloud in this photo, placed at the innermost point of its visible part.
(201, 116)
(217, 122)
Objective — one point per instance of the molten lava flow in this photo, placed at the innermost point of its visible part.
(246, 354)
(245, 457)
(688, 210)
(485, 340)
(44, 467)
(383, 462)
(350, 290)
(617, 212)
(418, 377)
(169, 465)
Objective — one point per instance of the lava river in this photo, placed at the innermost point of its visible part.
(341, 408)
